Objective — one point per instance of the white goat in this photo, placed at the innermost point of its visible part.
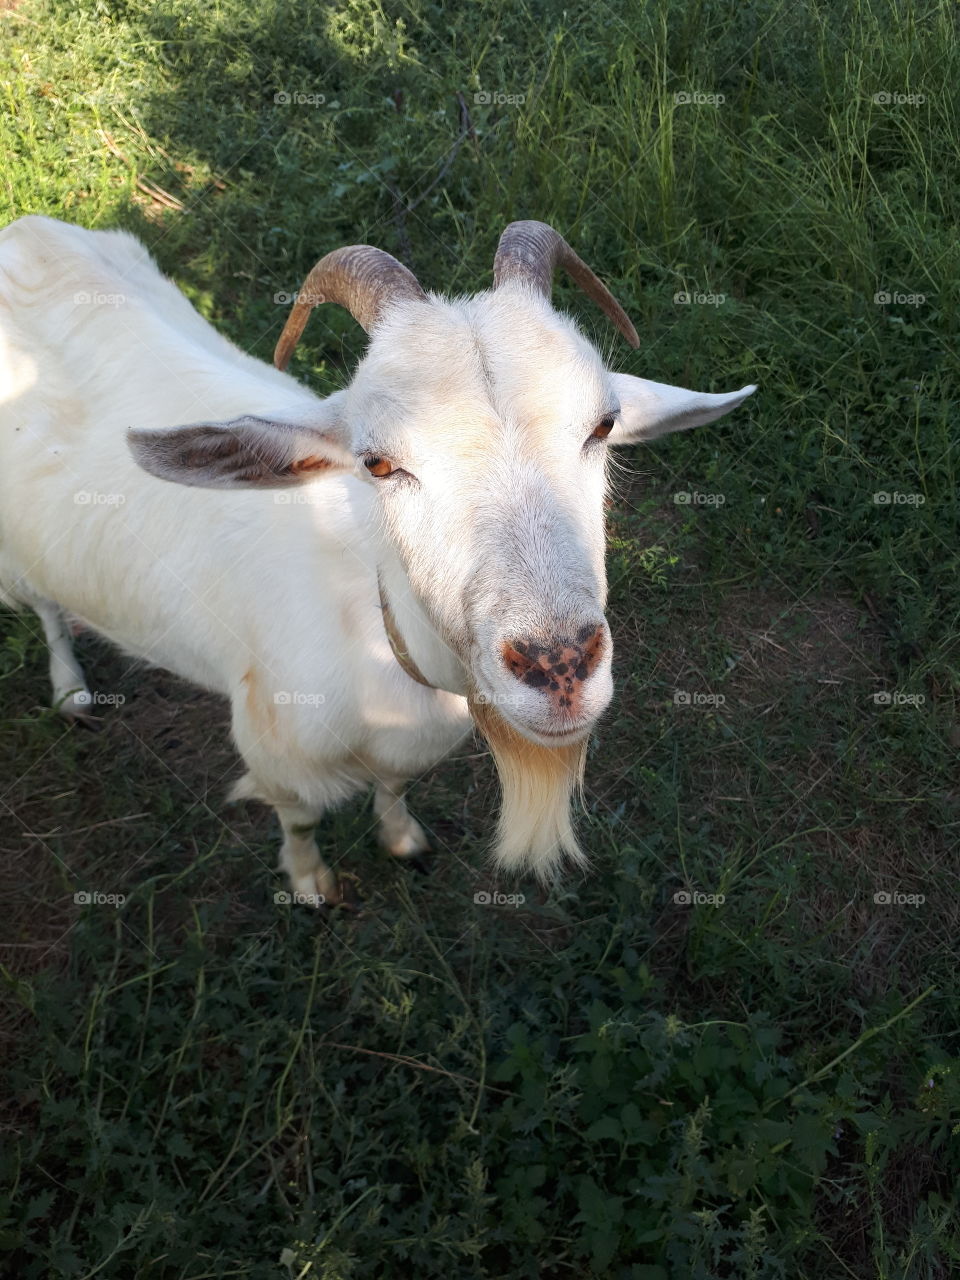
(442, 552)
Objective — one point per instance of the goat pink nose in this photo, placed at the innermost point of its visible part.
(557, 670)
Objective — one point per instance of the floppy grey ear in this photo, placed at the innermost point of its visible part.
(652, 409)
(245, 453)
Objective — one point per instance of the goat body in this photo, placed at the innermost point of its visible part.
(357, 574)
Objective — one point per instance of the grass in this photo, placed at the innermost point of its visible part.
(607, 1081)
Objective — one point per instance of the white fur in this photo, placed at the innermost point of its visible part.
(269, 596)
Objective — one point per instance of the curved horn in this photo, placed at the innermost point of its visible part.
(362, 279)
(531, 251)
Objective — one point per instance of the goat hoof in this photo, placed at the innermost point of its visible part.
(350, 906)
(75, 709)
(421, 863)
(93, 724)
(348, 897)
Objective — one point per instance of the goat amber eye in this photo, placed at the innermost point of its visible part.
(378, 466)
(604, 427)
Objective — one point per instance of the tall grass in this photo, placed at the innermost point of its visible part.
(613, 1081)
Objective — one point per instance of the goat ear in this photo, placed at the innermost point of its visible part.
(652, 409)
(244, 453)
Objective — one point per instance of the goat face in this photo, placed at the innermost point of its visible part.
(483, 426)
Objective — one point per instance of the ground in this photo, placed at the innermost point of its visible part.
(730, 1049)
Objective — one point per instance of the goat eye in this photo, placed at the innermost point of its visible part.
(604, 427)
(379, 467)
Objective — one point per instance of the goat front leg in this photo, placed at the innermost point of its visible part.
(71, 697)
(313, 883)
(400, 834)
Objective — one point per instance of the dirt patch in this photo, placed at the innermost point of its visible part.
(745, 653)
(74, 819)
(774, 639)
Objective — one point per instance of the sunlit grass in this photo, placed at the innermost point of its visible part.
(608, 1083)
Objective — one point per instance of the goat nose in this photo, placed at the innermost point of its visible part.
(559, 669)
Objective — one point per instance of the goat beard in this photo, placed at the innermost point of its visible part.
(537, 783)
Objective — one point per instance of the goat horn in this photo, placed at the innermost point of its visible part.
(530, 252)
(363, 279)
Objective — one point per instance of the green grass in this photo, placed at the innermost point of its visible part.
(607, 1082)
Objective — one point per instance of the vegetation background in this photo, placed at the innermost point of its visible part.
(609, 1081)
